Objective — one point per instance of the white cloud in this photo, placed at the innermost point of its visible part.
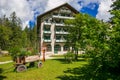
(21, 7)
(103, 10)
(104, 6)
(38, 5)
(28, 9)
(53, 3)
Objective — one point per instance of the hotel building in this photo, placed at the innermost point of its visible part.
(51, 29)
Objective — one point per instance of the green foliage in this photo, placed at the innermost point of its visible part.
(31, 40)
(84, 55)
(15, 52)
(113, 57)
(11, 32)
(13, 36)
(5, 34)
(116, 5)
(19, 52)
(69, 57)
(100, 41)
(86, 33)
(24, 52)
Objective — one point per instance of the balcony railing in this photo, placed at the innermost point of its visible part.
(61, 32)
(61, 40)
(47, 32)
(47, 23)
(63, 17)
(59, 24)
(47, 40)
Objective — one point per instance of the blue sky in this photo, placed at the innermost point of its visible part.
(91, 11)
(28, 10)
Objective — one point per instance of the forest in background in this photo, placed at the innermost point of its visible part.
(12, 35)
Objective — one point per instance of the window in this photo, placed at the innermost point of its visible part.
(65, 29)
(58, 37)
(55, 13)
(65, 48)
(63, 14)
(46, 28)
(64, 37)
(48, 47)
(47, 37)
(58, 29)
(57, 47)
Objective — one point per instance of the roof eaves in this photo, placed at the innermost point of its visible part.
(65, 4)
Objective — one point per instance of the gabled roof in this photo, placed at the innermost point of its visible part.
(65, 4)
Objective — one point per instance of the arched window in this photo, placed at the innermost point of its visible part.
(66, 48)
(57, 48)
(48, 47)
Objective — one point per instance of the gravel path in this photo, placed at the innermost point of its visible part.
(46, 57)
(6, 62)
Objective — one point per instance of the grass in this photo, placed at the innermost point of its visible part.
(5, 58)
(51, 70)
(57, 55)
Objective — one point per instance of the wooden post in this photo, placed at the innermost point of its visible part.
(43, 55)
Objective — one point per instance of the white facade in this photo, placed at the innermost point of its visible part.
(53, 31)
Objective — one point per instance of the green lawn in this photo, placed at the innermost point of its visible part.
(54, 69)
(5, 58)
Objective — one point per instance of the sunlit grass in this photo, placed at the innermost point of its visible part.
(5, 58)
(50, 70)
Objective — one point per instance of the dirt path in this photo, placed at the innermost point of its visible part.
(6, 62)
(46, 57)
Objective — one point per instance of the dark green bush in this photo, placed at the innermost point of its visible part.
(84, 55)
(69, 57)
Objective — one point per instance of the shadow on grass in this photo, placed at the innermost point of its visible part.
(1, 76)
(63, 61)
(74, 74)
(87, 73)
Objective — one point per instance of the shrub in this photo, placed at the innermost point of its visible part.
(69, 57)
(84, 55)
(19, 52)
(14, 52)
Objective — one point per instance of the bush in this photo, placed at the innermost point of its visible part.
(19, 52)
(14, 52)
(84, 55)
(69, 57)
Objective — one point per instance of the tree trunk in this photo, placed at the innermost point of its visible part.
(76, 54)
